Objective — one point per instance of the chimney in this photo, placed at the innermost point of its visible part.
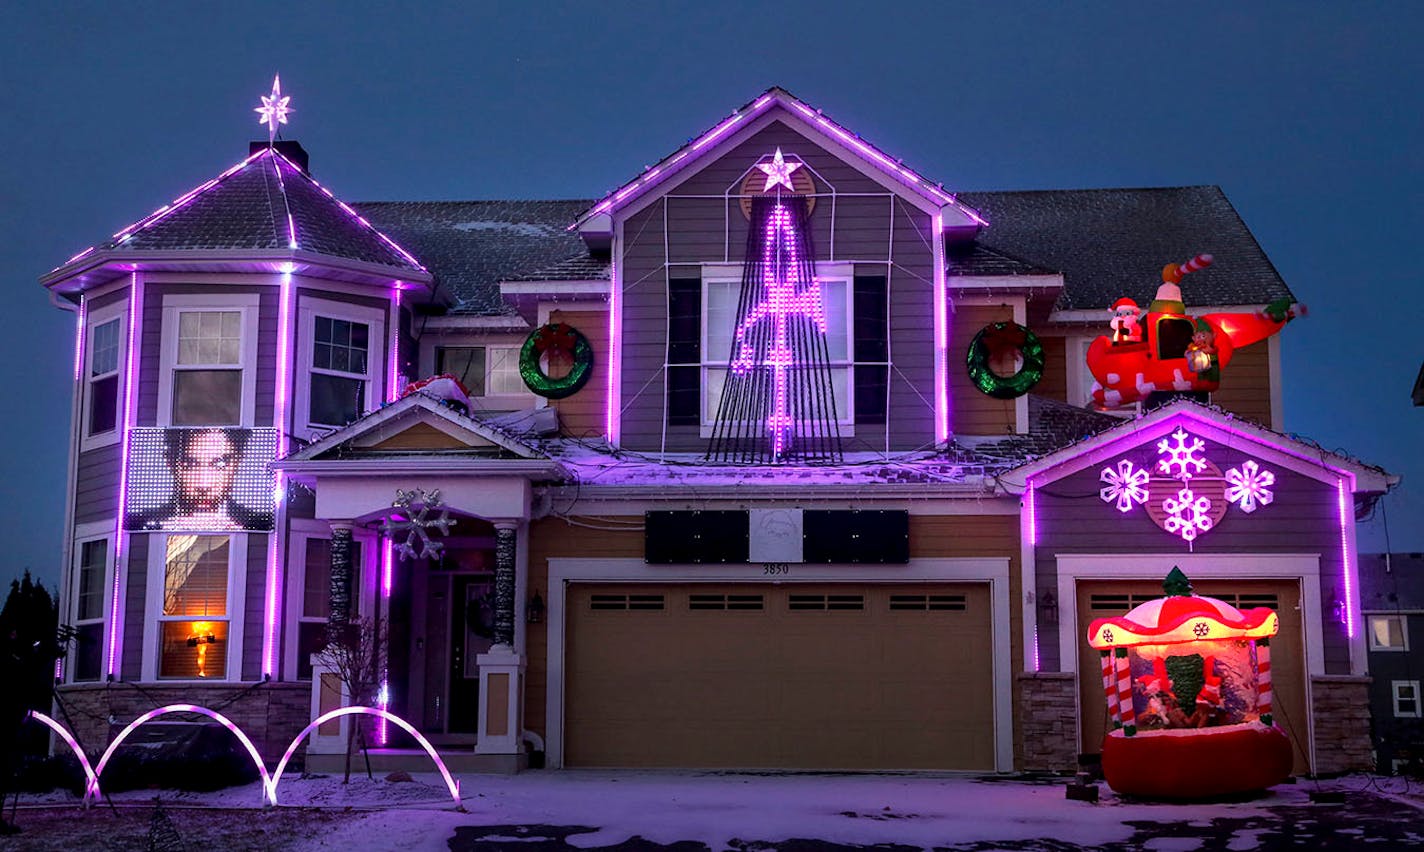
(289, 148)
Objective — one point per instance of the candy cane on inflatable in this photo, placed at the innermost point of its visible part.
(1109, 689)
(1124, 693)
(1263, 680)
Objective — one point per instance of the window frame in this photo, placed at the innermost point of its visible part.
(84, 534)
(491, 401)
(724, 273)
(154, 619)
(302, 530)
(117, 312)
(1395, 687)
(311, 307)
(1403, 632)
(176, 304)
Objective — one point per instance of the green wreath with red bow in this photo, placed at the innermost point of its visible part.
(555, 338)
(993, 342)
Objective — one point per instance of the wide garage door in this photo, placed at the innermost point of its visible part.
(789, 675)
(1101, 599)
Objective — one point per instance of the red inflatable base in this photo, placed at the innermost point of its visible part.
(1197, 763)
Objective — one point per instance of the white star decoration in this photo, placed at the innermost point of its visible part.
(274, 108)
(778, 172)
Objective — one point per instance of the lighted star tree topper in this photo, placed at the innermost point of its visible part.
(778, 172)
(274, 109)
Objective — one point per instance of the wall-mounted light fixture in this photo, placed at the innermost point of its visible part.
(534, 609)
(1048, 607)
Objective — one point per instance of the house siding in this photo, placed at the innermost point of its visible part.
(973, 412)
(96, 490)
(872, 227)
(1303, 518)
(582, 414)
(1246, 385)
(1054, 383)
(254, 607)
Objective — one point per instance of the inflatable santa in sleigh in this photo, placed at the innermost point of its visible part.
(1170, 351)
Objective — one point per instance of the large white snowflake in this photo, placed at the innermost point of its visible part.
(1181, 460)
(1125, 485)
(1249, 486)
(414, 520)
(1187, 514)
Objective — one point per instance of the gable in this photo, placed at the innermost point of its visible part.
(414, 425)
(419, 436)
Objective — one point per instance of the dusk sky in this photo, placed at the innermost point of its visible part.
(1308, 115)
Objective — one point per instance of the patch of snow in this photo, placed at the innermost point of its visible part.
(1245, 841)
(1173, 844)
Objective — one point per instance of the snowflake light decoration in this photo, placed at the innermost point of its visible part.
(1126, 485)
(415, 521)
(1187, 514)
(1182, 461)
(1201, 630)
(1249, 486)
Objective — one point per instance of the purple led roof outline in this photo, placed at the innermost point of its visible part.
(867, 152)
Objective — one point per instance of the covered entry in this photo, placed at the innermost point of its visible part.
(827, 676)
(1097, 599)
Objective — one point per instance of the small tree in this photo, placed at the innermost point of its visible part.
(29, 645)
(356, 653)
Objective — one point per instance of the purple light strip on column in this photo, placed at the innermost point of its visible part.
(393, 344)
(615, 353)
(91, 782)
(1031, 499)
(387, 566)
(280, 416)
(1346, 563)
(941, 333)
(79, 341)
(120, 540)
(354, 215)
(450, 783)
(184, 708)
(1032, 514)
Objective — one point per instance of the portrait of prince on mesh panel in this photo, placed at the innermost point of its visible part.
(207, 479)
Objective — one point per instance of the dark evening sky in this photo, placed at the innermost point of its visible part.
(1308, 115)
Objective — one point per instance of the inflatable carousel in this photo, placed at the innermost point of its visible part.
(1188, 686)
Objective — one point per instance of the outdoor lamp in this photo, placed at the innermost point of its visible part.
(534, 609)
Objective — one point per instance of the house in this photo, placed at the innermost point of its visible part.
(758, 513)
(1392, 595)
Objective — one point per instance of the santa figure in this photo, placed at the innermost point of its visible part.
(1124, 323)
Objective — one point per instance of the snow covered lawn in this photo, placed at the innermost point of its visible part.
(599, 809)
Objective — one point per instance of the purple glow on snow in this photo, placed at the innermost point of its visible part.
(79, 338)
(91, 783)
(183, 708)
(450, 783)
(1346, 563)
(120, 552)
(783, 300)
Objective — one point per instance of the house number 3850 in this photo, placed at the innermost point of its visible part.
(775, 568)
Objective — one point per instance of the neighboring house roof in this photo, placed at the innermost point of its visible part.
(702, 144)
(471, 246)
(1110, 243)
(1399, 588)
(977, 259)
(263, 203)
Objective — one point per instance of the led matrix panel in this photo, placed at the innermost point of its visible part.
(205, 479)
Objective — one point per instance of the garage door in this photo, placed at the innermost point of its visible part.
(788, 676)
(1101, 599)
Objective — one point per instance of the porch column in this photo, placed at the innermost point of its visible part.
(341, 574)
(501, 721)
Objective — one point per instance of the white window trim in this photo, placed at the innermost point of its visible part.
(309, 308)
(492, 401)
(303, 530)
(236, 609)
(1395, 687)
(725, 273)
(100, 317)
(83, 533)
(1403, 632)
(246, 304)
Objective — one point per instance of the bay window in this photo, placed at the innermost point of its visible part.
(192, 577)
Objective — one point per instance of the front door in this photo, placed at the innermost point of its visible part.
(452, 625)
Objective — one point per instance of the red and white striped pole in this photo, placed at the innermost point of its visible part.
(1124, 693)
(1263, 680)
(1110, 689)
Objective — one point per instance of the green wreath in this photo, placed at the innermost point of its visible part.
(555, 337)
(994, 339)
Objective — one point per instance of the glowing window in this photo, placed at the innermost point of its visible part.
(1388, 633)
(194, 618)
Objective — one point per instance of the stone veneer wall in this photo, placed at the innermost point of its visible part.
(1047, 730)
(271, 714)
(1342, 724)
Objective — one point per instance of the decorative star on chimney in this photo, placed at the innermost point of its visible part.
(274, 109)
(778, 172)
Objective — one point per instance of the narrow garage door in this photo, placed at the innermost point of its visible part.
(1100, 599)
(790, 676)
